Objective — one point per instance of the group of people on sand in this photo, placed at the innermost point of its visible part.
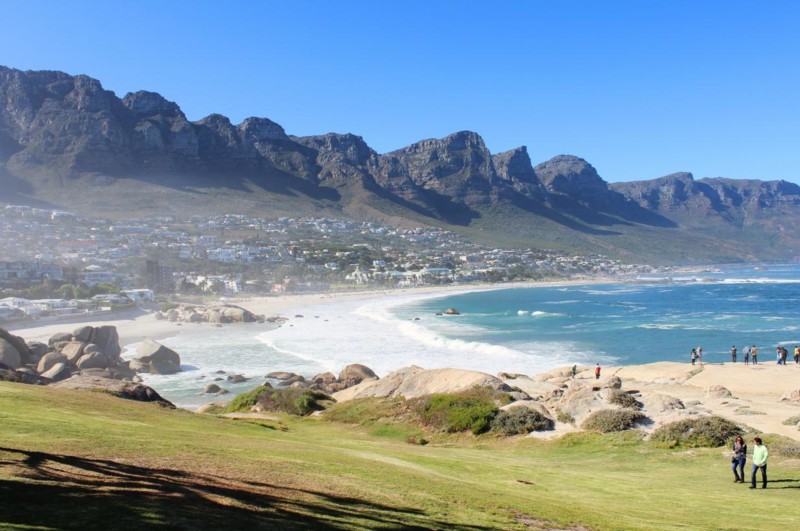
(751, 354)
(760, 454)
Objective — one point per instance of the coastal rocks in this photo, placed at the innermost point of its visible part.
(155, 358)
(216, 314)
(717, 391)
(119, 388)
(211, 389)
(9, 356)
(413, 382)
(354, 374)
(280, 375)
(615, 382)
(452, 311)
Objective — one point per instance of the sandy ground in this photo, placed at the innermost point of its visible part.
(756, 389)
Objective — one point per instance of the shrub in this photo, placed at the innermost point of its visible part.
(471, 410)
(623, 399)
(286, 400)
(520, 420)
(783, 446)
(563, 416)
(244, 402)
(611, 420)
(708, 432)
(792, 421)
(167, 306)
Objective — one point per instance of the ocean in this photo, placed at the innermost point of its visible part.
(518, 329)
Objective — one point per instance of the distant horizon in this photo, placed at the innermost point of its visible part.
(639, 90)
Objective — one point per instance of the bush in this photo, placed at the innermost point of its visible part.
(521, 420)
(623, 399)
(792, 421)
(563, 416)
(286, 400)
(471, 410)
(611, 420)
(783, 446)
(244, 402)
(709, 432)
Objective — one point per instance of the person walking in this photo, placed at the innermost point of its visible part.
(738, 460)
(796, 354)
(733, 354)
(597, 372)
(760, 454)
(693, 356)
(700, 355)
(574, 370)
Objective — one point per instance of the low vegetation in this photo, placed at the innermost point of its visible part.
(472, 410)
(139, 466)
(708, 432)
(289, 400)
(612, 420)
(623, 399)
(792, 421)
(519, 421)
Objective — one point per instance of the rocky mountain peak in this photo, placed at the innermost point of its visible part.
(570, 175)
(144, 103)
(515, 164)
(256, 130)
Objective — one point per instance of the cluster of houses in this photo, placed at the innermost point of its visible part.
(267, 254)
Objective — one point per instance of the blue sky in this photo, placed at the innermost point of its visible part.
(640, 89)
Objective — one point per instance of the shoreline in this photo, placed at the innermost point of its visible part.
(756, 389)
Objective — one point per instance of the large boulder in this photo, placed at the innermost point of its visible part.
(59, 337)
(105, 337)
(9, 356)
(59, 371)
(93, 360)
(718, 391)
(615, 382)
(354, 374)
(19, 345)
(122, 389)
(50, 359)
(73, 351)
(447, 381)
(160, 359)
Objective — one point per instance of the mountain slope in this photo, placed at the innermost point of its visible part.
(66, 142)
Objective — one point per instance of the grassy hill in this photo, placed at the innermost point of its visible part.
(71, 460)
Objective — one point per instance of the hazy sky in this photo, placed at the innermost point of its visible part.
(638, 88)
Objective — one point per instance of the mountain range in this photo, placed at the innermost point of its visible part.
(67, 143)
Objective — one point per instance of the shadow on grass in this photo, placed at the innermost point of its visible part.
(40, 489)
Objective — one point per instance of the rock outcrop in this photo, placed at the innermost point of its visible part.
(215, 313)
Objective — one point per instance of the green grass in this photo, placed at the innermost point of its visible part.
(72, 460)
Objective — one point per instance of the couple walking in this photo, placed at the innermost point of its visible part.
(760, 455)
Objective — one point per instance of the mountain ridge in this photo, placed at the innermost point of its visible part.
(63, 137)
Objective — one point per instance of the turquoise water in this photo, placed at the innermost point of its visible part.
(636, 322)
(521, 329)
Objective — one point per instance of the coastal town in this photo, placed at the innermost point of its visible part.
(55, 263)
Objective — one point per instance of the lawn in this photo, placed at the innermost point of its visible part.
(71, 460)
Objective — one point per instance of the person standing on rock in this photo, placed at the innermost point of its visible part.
(597, 372)
(574, 370)
(738, 460)
(760, 455)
